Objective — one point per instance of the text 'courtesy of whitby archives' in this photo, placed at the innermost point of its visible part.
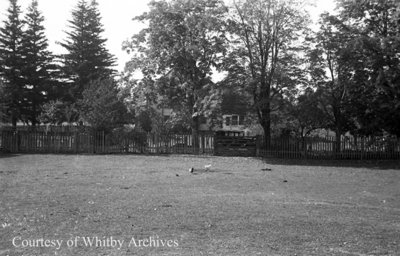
(96, 242)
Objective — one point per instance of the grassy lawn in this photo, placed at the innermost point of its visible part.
(154, 206)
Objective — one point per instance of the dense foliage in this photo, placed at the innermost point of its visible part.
(344, 77)
(185, 40)
(39, 87)
(271, 68)
(101, 106)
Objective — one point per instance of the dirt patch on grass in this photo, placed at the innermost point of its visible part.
(233, 208)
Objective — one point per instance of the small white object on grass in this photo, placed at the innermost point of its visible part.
(191, 170)
(207, 167)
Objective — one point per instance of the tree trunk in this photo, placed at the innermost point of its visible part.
(266, 108)
(267, 134)
(34, 121)
(195, 134)
(14, 121)
(266, 125)
(337, 141)
(266, 120)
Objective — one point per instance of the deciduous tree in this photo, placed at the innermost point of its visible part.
(307, 112)
(52, 112)
(184, 41)
(102, 107)
(375, 26)
(331, 63)
(264, 52)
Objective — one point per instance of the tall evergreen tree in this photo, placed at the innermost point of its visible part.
(2, 104)
(87, 58)
(11, 63)
(38, 67)
(102, 60)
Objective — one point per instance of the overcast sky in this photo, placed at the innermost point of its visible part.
(116, 17)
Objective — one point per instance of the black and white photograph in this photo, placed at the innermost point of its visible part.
(199, 127)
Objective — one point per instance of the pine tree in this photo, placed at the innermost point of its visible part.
(11, 64)
(2, 103)
(102, 60)
(87, 58)
(37, 63)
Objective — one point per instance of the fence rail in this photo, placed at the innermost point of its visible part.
(88, 141)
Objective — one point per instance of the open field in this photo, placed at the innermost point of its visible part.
(236, 208)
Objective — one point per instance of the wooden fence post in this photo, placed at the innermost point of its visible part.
(258, 145)
(17, 141)
(203, 143)
(215, 146)
(103, 142)
(362, 148)
(93, 140)
(156, 142)
(76, 139)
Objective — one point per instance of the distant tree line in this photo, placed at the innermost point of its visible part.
(40, 87)
(344, 77)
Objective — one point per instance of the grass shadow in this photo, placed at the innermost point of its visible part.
(369, 164)
(8, 155)
(211, 171)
